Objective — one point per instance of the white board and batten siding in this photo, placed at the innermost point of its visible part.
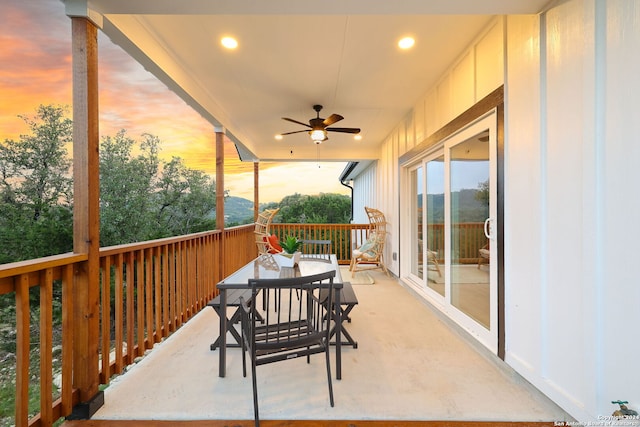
(571, 179)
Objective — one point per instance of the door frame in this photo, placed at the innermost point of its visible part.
(494, 100)
(488, 337)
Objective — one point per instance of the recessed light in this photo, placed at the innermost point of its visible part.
(406, 43)
(357, 137)
(278, 137)
(229, 42)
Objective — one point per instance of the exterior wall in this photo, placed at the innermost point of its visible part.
(364, 193)
(571, 154)
(476, 73)
(571, 173)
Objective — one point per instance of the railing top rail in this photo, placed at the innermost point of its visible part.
(38, 264)
(53, 261)
(321, 225)
(114, 250)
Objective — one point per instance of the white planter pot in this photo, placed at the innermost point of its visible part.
(288, 260)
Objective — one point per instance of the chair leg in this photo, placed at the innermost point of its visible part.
(326, 352)
(384, 267)
(255, 393)
(244, 356)
(437, 266)
(353, 263)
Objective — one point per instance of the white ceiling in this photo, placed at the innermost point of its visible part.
(293, 54)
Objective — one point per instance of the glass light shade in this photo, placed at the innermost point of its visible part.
(229, 42)
(318, 135)
(406, 43)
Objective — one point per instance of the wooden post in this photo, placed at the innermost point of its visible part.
(86, 216)
(256, 192)
(220, 194)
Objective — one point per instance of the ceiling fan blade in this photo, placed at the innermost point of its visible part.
(344, 130)
(332, 119)
(295, 131)
(295, 121)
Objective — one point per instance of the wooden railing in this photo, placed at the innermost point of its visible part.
(172, 280)
(467, 239)
(45, 274)
(344, 237)
(147, 291)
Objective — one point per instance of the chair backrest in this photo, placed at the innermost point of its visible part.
(261, 230)
(377, 228)
(377, 220)
(294, 321)
(320, 249)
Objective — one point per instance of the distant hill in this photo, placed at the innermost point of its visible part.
(470, 209)
(238, 210)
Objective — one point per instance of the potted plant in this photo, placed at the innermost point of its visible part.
(291, 245)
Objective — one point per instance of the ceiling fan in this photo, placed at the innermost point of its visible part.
(318, 127)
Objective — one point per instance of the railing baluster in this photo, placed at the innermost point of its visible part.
(22, 351)
(46, 346)
(148, 293)
(129, 315)
(67, 339)
(157, 293)
(165, 290)
(120, 313)
(105, 267)
(139, 302)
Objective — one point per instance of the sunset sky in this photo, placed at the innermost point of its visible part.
(35, 69)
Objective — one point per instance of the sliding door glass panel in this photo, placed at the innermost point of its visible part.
(434, 232)
(417, 180)
(469, 199)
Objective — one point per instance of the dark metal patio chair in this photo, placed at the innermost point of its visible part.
(318, 249)
(292, 326)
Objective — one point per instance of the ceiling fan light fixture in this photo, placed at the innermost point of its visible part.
(318, 135)
(318, 126)
(406, 43)
(229, 42)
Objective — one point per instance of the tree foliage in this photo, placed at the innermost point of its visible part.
(126, 181)
(186, 199)
(144, 198)
(325, 208)
(141, 196)
(36, 188)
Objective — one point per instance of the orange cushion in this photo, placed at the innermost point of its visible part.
(274, 243)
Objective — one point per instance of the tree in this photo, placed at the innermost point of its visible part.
(36, 188)
(144, 198)
(292, 209)
(186, 200)
(126, 188)
(482, 193)
(324, 208)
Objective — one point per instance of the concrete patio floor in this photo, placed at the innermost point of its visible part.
(410, 364)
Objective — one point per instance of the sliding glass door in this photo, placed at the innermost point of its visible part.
(417, 232)
(455, 210)
(469, 209)
(434, 219)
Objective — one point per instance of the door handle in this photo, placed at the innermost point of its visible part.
(487, 228)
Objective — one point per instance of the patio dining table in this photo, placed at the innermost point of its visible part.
(266, 267)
